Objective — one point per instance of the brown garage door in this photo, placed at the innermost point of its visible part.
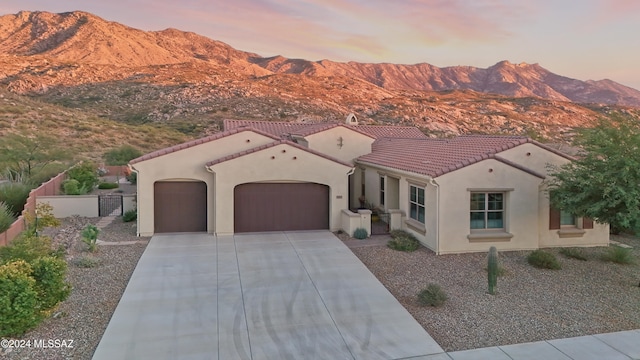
(281, 206)
(180, 206)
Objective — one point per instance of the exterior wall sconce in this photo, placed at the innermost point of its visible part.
(340, 140)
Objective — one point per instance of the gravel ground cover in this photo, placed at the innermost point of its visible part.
(84, 316)
(584, 297)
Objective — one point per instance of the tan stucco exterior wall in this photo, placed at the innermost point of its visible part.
(538, 159)
(129, 202)
(341, 143)
(521, 204)
(280, 163)
(399, 193)
(187, 164)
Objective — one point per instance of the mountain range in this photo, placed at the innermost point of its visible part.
(191, 82)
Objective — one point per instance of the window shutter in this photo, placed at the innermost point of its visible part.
(554, 218)
(587, 223)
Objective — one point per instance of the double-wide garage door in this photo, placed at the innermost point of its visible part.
(280, 207)
(180, 206)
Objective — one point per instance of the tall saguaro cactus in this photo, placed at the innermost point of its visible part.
(492, 269)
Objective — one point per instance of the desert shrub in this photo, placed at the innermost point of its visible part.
(130, 215)
(121, 155)
(19, 310)
(360, 233)
(86, 261)
(6, 217)
(132, 178)
(27, 247)
(432, 295)
(573, 253)
(50, 273)
(45, 217)
(108, 185)
(543, 260)
(40, 176)
(72, 187)
(618, 255)
(15, 196)
(90, 236)
(403, 241)
(86, 173)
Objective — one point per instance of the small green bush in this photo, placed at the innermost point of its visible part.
(50, 273)
(73, 187)
(543, 260)
(432, 295)
(45, 218)
(573, 253)
(130, 215)
(27, 247)
(90, 236)
(86, 261)
(403, 241)
(86, 173)
(360, 233)
(618, 255)
(19, 310)
(132, 178)
(108, 185)
(15, 196)
(6, 217)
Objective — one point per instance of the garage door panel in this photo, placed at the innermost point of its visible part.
(281, 206)
(180, 207)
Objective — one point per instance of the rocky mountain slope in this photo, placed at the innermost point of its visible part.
(189, 83)
(504, 78)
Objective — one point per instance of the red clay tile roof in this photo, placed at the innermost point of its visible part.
(275, 128)
(276, 143)
(436, 157)
(282, 128)
(379, 131)
(192, 143)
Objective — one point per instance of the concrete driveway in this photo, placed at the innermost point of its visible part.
(283, 295)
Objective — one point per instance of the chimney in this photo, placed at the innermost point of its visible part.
(352, 119)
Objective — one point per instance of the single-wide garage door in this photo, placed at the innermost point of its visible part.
(281, 206)
(180, 206)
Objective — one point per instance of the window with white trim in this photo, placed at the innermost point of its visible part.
(382, 190)
(416, 203)
(487, 210)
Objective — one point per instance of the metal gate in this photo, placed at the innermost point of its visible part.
(110, 205)
(380, 225)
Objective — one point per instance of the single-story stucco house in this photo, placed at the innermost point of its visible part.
(456, 195)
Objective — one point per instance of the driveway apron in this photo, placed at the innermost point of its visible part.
(280, 295)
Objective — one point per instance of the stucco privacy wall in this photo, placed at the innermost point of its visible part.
(81, 205)
(539, 159)
(341, 143)
(280, 163)
(188, 164)
(70, 205)
(521, 207)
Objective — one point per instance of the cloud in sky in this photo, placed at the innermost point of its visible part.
(592, 39)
